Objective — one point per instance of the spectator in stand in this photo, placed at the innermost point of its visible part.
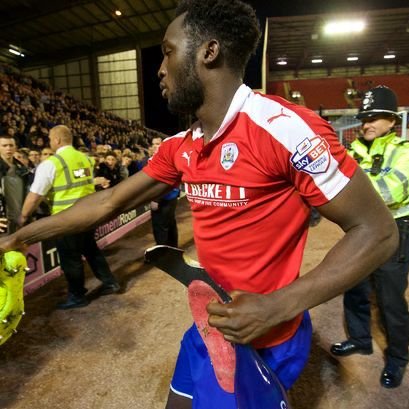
(14, 180)
(110, 169)
(39, 143)
(46, 153)
(22, 157)
(126, 162)
(141, 158)
(35, 157)
(163, 211)
(100, 149)
(118, 154)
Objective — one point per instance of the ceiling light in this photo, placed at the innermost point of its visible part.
(344, 27)
(16, 52)
(389, 56)
(281, 62)
(316, 60)
(352, 58)
(118, 13)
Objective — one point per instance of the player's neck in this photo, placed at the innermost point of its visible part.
(217, 102)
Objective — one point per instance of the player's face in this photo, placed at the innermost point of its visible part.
(180, 83)
(376, 126)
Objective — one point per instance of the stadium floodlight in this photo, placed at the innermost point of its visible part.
(340, 27)
(316, 60)
(389, 56)
(352, 58)
(281, 61)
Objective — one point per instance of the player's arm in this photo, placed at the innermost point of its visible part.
(370, 239)
(89, 211)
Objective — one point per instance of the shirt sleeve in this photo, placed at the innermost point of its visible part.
(321, 186)
(312, 158)
(43, 178)
(161, 166)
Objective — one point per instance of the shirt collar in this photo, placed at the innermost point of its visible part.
(235, 107)
(62, 148)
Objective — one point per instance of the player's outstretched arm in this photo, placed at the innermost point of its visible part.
(88, 212)
(370, 238)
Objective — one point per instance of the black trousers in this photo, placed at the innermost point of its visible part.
(164, 226)
(70, 249)
(390, 282)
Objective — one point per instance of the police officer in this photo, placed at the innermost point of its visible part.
(384, 156)
(65, 178)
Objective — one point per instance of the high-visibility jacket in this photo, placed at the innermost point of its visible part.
(73, 179)
(386, 162)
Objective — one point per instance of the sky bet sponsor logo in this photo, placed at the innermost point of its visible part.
(212, 194)
(312, 156)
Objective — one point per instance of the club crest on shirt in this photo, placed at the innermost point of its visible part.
(229, 154)
(312, 155)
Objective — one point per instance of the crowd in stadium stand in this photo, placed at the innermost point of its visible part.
(29, 108)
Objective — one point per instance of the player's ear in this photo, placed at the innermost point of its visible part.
(211, 52)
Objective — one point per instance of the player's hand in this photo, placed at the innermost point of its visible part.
(8, 243)
(245, 318)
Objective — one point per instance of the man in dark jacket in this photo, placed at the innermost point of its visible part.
(13, 181)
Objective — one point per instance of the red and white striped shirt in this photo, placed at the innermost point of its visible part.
(250, 189)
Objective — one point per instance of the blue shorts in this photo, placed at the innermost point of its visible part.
(194, 377)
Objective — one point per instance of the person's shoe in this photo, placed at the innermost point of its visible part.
(392, 375)
(73, 301)
(348, 347)
(107, 289)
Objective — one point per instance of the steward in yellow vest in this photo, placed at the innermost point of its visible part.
(65, 178)
(73, 178)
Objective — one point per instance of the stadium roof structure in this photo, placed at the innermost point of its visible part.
(47, 31)
(51, 30)
(297, 40)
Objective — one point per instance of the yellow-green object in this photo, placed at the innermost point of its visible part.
(13, 266)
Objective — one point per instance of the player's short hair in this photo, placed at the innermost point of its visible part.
(232, 22)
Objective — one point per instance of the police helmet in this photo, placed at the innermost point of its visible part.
(380, 100)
